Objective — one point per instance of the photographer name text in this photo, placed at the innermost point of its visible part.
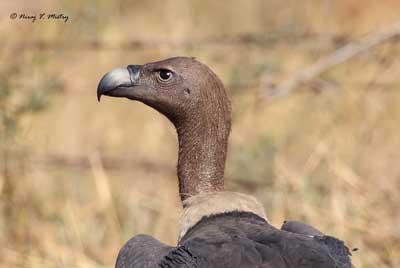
(39, 17)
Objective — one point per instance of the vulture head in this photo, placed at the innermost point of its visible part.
(181, 88)
(194, 99)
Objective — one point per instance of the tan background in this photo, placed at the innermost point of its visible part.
(79, 178)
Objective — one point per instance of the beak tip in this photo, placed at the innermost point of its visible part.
(99, 92)
(118, 77)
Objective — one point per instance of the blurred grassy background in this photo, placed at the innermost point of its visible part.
(78, 178)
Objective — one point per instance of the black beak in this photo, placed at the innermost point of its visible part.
(119, 79)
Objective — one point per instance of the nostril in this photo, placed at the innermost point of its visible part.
(134, 71)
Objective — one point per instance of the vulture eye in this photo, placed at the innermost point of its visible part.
(164, 75)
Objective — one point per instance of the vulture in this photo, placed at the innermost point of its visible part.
(218, 228)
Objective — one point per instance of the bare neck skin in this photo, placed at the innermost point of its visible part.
(203, 139)
(201, 161)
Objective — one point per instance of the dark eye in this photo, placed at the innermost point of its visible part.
(164, 75)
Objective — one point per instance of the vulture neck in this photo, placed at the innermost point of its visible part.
(203, 137)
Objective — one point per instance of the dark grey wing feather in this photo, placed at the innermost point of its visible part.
(217, 246)
(339, 252)
(179, 257)
(242, 240)
(238, 240)
(142, 251)
(300, 228)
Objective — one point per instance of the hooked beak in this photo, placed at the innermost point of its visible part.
(118, 81)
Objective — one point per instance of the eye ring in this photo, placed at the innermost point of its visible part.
(164, 75)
